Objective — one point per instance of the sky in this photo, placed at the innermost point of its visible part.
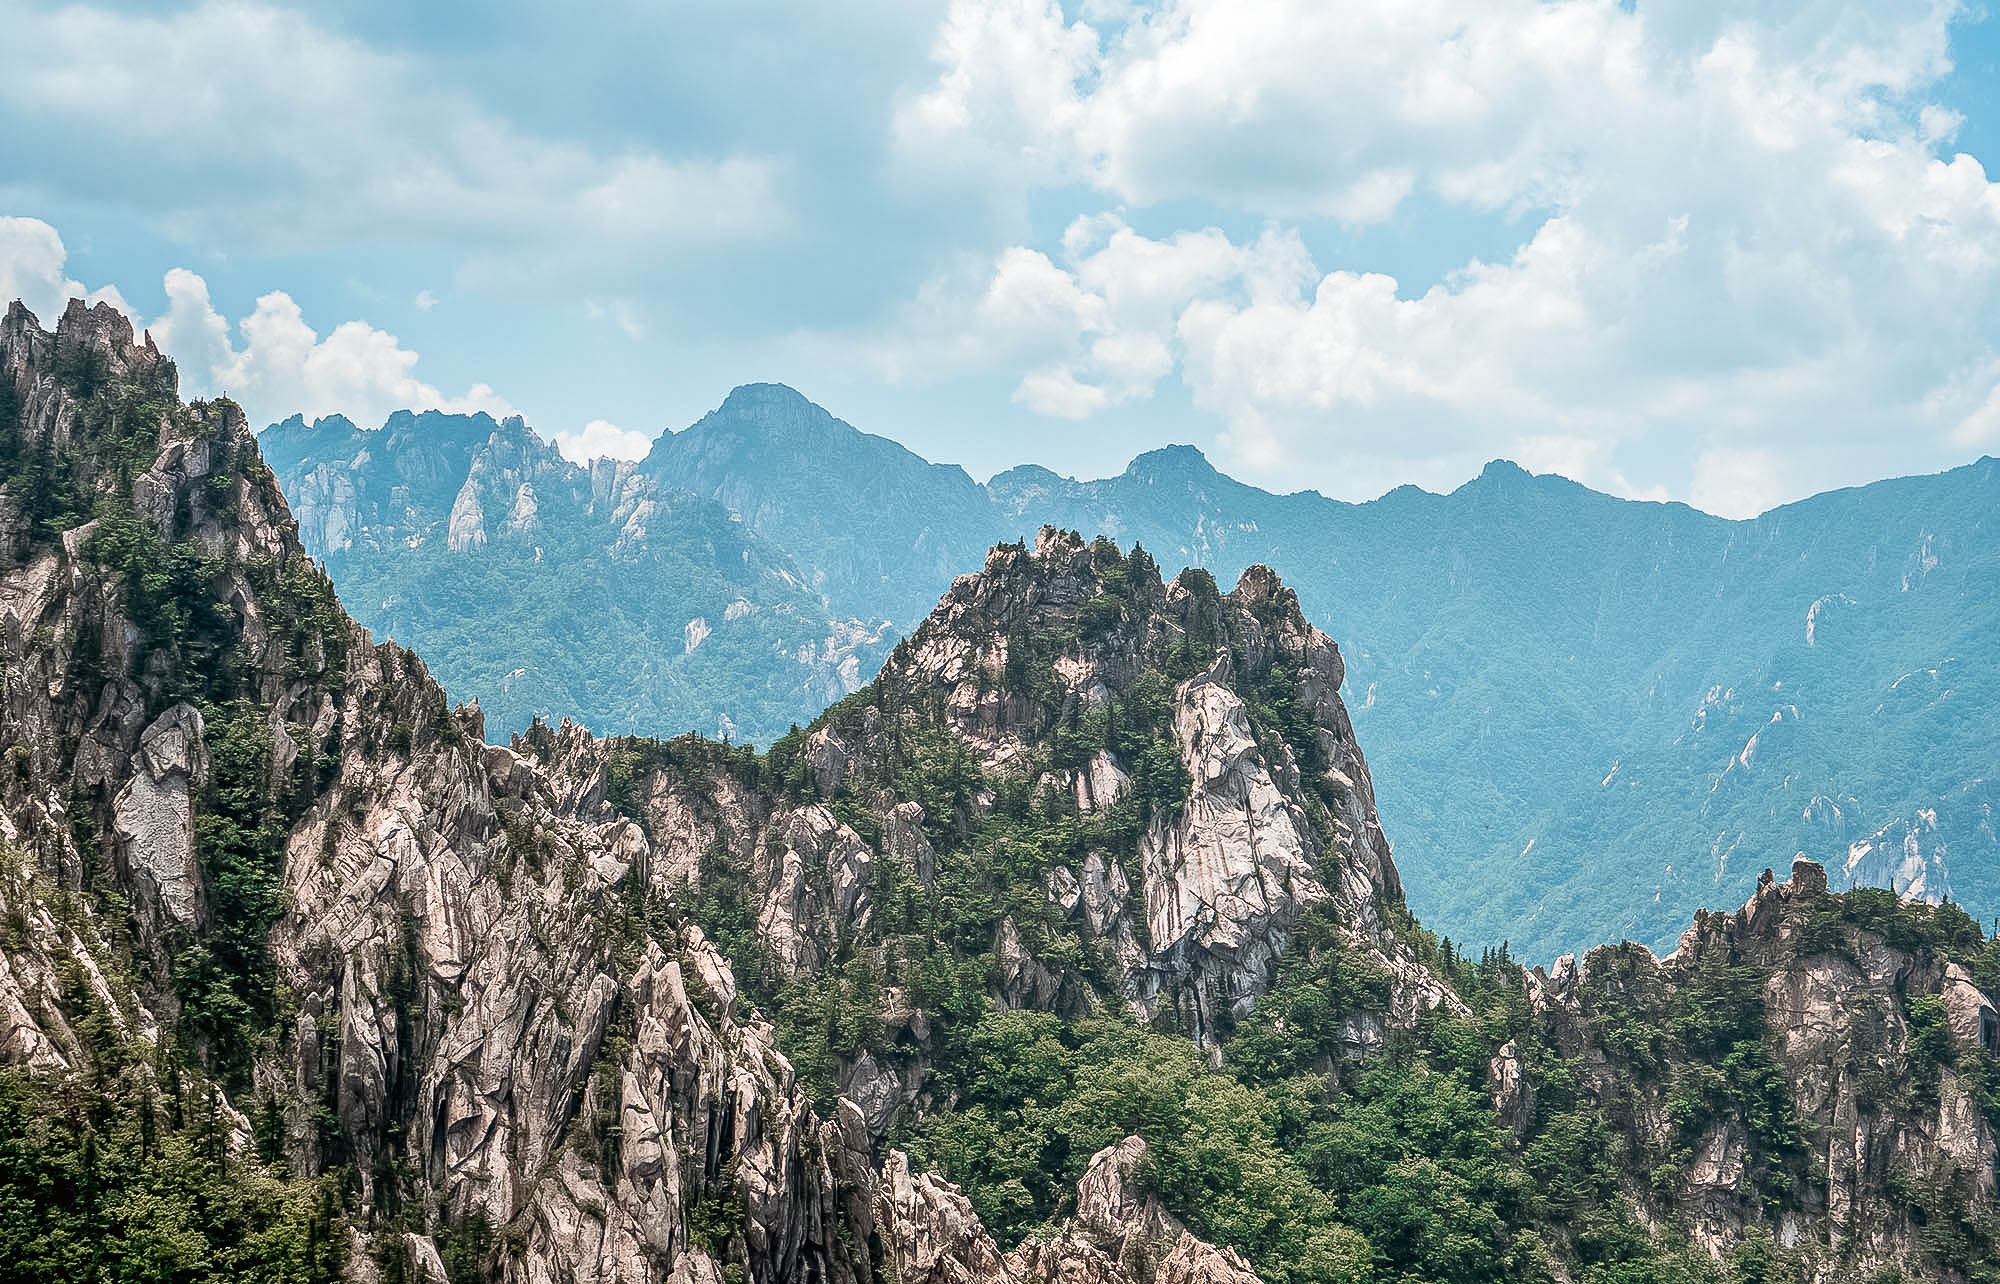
(1720, 251)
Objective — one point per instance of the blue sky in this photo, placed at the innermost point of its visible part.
(1730, 253)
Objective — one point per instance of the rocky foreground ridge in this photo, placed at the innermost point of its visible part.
(1083, 903)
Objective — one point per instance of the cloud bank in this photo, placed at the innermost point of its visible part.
(1727, 252)
(1747, 255)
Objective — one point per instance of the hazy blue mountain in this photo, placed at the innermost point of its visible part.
(1589, 715)
(636, 607)
(878, 528)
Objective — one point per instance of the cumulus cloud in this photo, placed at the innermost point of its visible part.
(1742, 235)
(601, 439)
(272, 362)
(283, 366)
(32, 261)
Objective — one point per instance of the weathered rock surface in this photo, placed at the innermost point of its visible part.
(153, 814)
(1118, 1234)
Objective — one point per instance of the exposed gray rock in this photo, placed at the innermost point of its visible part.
(153, 814)
(1974, 1020)
(1117, 1234)
(1513, 1096)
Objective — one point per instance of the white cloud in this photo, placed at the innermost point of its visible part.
(1738, 482)
(256, 126)
(1297, 107)
(1740, 241)
(1005, 103)
(32, 258)
(1059, 393)
(1097, 328)
(284, 367)
(601, 439)
(424, 301)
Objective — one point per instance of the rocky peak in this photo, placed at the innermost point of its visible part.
(773, 402)
(1826, 994)
(1172, 465)
(763, 417)
(1069, 669)
(1120, 1232)
(85, 333)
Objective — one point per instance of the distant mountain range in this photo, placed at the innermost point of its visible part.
(1589, 716)
(639, 607)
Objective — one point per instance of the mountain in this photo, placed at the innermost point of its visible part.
(1077, 929)
(1594, 715)
(645, 607)
(881, 529)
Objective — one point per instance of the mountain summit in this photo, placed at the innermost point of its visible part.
(886, 526)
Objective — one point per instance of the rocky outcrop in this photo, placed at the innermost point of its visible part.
(1864, 1106)
(1118, 1234)
(1260, 836)
(153, 813)
(1224, 875)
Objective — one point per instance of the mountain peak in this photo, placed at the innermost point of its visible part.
(1172, 463)
(774, 405)
(747, 396)
(1504, 470)
(755, 414)
(100, 335)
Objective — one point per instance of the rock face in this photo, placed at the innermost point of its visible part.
(1118, 1233)
(1222, 875)
(1833, 1017)
(153, 814)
